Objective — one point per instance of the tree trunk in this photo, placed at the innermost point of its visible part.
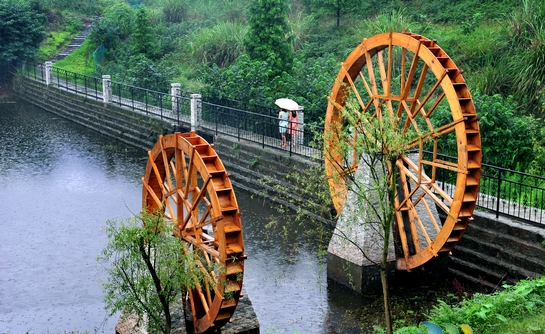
(157, 282)
(386, 296)
(384, 280)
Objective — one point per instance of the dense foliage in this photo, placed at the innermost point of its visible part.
(500, 122)
(266, 39)
(21, 31)
(259, 50)
(147, 270)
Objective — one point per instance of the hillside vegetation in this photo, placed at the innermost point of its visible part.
(233, 49)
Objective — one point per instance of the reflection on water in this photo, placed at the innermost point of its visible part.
(59, 183)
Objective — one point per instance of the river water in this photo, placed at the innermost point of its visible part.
(60, 183)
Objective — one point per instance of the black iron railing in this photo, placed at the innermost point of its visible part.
(34, 71)
(79, 84)
(166, 106)
(504, 192)
(261, 129)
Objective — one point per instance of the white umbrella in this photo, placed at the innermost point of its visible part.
(287, 104)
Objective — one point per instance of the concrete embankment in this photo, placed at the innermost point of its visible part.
(128, 126)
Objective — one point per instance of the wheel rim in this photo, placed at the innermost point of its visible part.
(409, 76)
(185, 176)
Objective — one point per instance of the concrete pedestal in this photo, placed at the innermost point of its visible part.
(244, 321)
(355, 250)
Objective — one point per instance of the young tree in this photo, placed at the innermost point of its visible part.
(148, 270)
(267, 38)
(143, 36)
(377, 144)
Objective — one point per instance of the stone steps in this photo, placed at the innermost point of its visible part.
(74, 44)
(493, 251)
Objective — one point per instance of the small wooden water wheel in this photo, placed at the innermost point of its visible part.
(410, 77)
(185, 176)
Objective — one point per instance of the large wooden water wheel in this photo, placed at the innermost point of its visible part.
(185, 176)
(409, 78)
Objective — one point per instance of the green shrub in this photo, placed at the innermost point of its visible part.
(490, 313)
(221, 45)
(507, 135)
(174, 11)
(267, 35)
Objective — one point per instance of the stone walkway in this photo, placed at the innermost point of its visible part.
(76, 43)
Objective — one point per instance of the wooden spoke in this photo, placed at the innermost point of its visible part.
(355, 91)
(185, 176)
(419, 84)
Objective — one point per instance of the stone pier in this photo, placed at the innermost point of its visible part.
(355, 249)
(244, 321)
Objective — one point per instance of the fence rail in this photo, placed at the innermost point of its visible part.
(260, 129)
(502, 191)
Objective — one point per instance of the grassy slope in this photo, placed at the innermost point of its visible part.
(54, 43)
(80, 61)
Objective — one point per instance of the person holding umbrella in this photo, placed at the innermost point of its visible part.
(285, 106)
(293, 127)
(283, 125)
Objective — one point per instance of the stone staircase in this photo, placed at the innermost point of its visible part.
(76, 43)
(494, 251)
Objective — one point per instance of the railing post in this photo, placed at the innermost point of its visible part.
(300, 134)
(196, 108)
(498, 194)
(176, 93)
(48, 70)
(106, 88)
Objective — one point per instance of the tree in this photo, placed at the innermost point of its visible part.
(377, 144)
(21, 31)
(148, 270)
(140, 71)
(268, 34)
(143, 36)
(115, 26)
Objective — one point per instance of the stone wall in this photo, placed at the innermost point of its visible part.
(128, 126)
(264, 171)
(497, 250)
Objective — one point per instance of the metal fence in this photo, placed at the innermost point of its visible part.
(261, 129)
(259, 124)
(173, 108)
(34, 71)
(79, 84)
(502, 191)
